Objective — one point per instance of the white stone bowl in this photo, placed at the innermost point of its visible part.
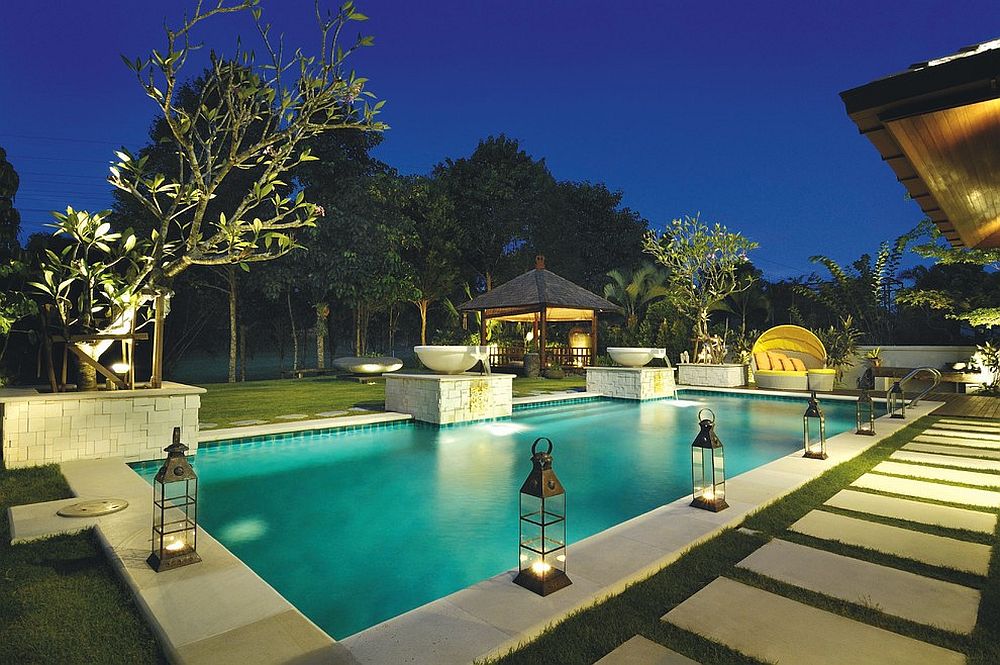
(368, 366)
(450, 359)
(634, 356)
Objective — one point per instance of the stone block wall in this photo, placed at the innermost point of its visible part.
(716, 376)
(631, 382)
(42, 428)
(445, 399)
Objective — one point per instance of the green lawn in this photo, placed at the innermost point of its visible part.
(60, 600)
(225, 403)
(591, 633)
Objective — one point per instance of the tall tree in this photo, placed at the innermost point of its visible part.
(251, 115)
(10, 218)
(574, 233)
(498, 193)
(634, 292)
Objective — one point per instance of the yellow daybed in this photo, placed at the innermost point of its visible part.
(791, 358)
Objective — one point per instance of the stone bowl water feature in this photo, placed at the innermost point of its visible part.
(634, 356)
(451, 359)
(368, 366)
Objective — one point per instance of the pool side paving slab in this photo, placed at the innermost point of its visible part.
(495, 615)
(914, 511)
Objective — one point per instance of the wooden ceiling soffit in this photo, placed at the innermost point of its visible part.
(956, 153)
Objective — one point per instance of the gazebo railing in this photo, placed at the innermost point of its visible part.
(554, 355)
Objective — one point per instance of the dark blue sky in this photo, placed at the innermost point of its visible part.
(727, 108)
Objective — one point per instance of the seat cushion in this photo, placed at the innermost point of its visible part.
(763, 360)
(799, 366)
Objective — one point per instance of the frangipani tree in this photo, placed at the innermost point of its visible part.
(252, 116)
(703, 265)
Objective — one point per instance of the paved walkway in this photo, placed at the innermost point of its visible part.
(889, 511)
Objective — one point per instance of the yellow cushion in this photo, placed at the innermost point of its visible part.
(823, 371)
(798, 365)
(776, 357)
(762, 360)
(771, 372)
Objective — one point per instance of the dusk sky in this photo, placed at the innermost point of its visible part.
(730, 109)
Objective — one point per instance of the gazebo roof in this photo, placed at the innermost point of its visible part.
(535, 291)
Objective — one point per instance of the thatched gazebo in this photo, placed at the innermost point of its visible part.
(541, 297)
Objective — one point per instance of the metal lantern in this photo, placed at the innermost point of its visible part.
(814, 445)
(175, 510)
(708, 471)
(542, 526)
(865, 414)
(895, 401)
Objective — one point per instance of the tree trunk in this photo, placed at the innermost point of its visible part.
(422, 306)
(322, 312)
(243, 352)
(489, 281)
(295, 334)
(231, 279)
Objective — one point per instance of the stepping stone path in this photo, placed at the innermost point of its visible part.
(774, 628)
(207, 425)
(292, 416)
(938, 473)
(899, 593)
(641, 651)
(914, 511)
(952, 450)
(923, 489)
(244, 423)
(332, 414)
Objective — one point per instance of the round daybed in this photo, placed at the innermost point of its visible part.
(791, 358)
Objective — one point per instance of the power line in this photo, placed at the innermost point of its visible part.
(59, 138)
(16, 158)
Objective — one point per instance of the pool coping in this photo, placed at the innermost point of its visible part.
(494, 616)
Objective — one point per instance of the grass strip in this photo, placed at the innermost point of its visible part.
(60, 600)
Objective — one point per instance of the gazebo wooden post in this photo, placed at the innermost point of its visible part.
(482, 328)
(541, 339)
(534, 335)
(593, 337)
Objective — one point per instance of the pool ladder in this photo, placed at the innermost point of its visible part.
(935, 377)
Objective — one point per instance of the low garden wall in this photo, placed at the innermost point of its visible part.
(907, 356)
(631, 382)
(41, 428)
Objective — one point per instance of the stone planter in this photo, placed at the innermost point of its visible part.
(449, 398)
(716, 376)
(532, 365)
(631, 382)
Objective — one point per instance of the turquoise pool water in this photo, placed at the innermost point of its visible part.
(354, 528)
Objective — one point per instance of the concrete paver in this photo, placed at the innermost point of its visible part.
(921, 599)
(914, 511)
(775, 629)
(923, 489)
(915, 545)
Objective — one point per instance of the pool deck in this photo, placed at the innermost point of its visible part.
(494, 616)
(220, 611)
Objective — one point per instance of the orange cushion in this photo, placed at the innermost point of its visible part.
(787, 365)
(776, 357)
(799, 365)
(762, 360)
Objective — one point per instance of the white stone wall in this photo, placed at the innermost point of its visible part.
(631, 382)
(445, 399)
(41, 428)
(716, 376)
(909, 356)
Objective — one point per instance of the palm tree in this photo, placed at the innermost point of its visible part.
(635, 292)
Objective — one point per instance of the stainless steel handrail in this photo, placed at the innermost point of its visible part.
(935, 377)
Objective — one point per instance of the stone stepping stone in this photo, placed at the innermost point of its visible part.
(967, 422)
(971, 429)
(915, 545)
(961, 434)
(914, 511)
(360, 409)
(640, 651)
(952, 441)
(207, 425)
(952, 450)
(946, 460)
(774, 629)
(922, 489)
(938, 473)
(921, 599)
(332, 414)
(293, 416)
(244, 423)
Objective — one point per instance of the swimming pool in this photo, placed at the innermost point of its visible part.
(357, 527)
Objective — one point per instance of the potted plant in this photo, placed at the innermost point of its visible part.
(874, 357)
(841, 344)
